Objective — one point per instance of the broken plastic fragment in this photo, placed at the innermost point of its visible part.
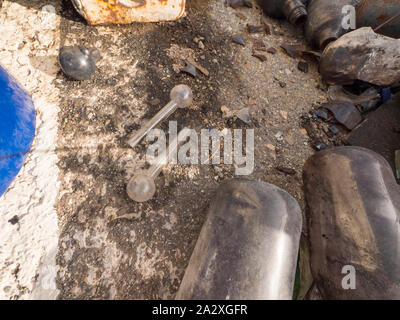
(239, 40)
(181, 97)
(189, 69)
(141, 187)
(345, 112)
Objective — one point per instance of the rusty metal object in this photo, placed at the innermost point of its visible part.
(128, 11)
(375, 13)
(345, 112)
(353, 213)
(362, 55)
(248, 246)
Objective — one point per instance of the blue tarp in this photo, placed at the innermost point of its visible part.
(17, 128)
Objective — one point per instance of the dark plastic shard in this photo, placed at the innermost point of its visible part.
(345, 113)
(353, 213)
(248, 246)
(239, 40)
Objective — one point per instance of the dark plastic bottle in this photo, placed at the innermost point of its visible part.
(353, 204)
(248, 246)
(293, 10)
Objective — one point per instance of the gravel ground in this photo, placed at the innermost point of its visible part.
(109, 246)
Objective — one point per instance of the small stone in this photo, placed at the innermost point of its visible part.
(303, 131)
(270, 146)
(251, 101)
(284, 114)
(14, 220)
(303, 66)
(272, 50)
(282, 84)
(226, 112)
(201, 45)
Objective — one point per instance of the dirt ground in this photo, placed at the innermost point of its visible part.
(111, 247)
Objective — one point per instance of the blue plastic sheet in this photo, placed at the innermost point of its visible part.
(17, 128)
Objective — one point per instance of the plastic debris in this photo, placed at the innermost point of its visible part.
(181, 97)
(362, 55)
(250, 226)
(259, 56)
(293, 51)
(345, 113)
(338, 93)
(244, 115)
(17, 130)
(141, 187)
(353, 206)
(78, 63)
(334, 129)
(189, 69)
(322, 113)
(319, 146)
(126, 11)
(239, 40)
(293, 10)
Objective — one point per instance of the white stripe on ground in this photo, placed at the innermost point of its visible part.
(29, 44)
